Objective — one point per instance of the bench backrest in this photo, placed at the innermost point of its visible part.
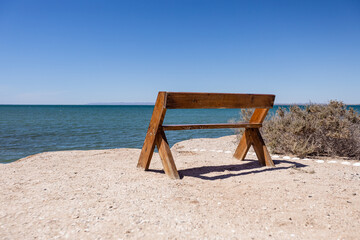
(185, 100)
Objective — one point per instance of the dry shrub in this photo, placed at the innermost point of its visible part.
(313, 130)
(245, 115)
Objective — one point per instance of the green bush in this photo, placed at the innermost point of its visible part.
(329, 130)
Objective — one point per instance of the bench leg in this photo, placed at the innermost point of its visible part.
(260, 148)
(244, 145)
(165, 155)
(149, 144)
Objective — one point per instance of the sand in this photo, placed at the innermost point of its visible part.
(102, 195)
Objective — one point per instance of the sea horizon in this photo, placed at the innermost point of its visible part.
(141, 104)
(30, 129)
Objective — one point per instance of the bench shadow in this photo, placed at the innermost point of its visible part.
(233, 170)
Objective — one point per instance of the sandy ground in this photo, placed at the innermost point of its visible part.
(102, 195)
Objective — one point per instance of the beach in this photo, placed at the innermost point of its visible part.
(100, 194)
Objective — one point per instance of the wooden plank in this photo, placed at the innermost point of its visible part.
(210, 126)
(259, 115)
(244, 145)
(166, 156)
(183, 100)
(260, 148)
(157, 119)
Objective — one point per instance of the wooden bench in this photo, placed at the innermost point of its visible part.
(182, 100)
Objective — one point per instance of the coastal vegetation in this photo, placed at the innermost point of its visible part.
(329, 130)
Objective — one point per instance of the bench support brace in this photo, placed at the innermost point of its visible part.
(166, 156)
(253, 137)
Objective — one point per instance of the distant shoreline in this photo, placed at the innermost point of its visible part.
(121, 103)
(86, 104)
(148, 104)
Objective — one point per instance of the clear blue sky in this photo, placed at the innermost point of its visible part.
(77, 52)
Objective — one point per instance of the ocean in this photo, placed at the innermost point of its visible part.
(31, 129)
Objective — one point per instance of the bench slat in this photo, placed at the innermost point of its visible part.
(182, 100)
(210, 126)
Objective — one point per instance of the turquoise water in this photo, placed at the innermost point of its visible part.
(31, 129)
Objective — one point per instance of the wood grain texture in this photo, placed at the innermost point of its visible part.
(166, 156)
(244, 145)
(210, 126)
(259, 115)
(157, 119)
(182, 100)
(260, 148)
